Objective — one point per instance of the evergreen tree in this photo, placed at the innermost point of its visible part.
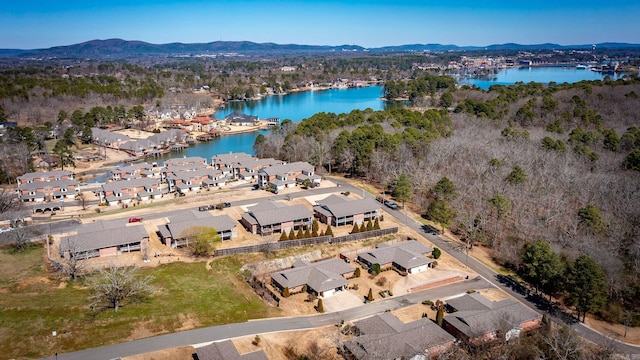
(285, 292)
(357, 272)
(300, 234)
(329, 232)
(376, 225)
(315, 226)
(283, 236)
(363, 227)
(369, 225)
(320, 306)
(355, 229)
(370, 295)
(540, 265)
(307, 234)
(587, 287)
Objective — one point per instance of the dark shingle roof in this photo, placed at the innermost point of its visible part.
(320, 276)
(385, 337)
(408, 254)
(284, 214)
(477, 315)
(95, 238)
(226, 350)
(346, 208)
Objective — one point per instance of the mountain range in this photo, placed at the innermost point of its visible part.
(118, 48)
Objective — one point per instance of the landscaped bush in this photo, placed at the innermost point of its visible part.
(427, 302)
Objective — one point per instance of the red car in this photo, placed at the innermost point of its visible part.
(134, 219)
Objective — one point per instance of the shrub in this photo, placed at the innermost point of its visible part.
(436, 253)
(285, 292)
(320, 306)
(375, 268)
(357, 272)
(427, 302)
(256, 340)
(381, 281)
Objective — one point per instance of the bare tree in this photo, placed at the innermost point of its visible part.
(72, 262)
(118, 286)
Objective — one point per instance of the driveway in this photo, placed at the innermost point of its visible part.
(342, 300)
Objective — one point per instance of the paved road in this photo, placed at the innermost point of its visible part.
(488, 277)
(229, 331)
(498, 281)
(38, 230)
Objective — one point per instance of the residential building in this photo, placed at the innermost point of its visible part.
(225, 350)
(408, 257)
(104, 238)
(43, 176)
(384, 336)
(48, 190)
(476, 319)
(275, 217)
(239, 119)
(323, 278)
(174, 232)
(124, 191)
(287, 175)
(340, 210)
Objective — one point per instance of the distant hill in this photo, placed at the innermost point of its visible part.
(118, 48)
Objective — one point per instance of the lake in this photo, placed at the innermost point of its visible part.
(543, 75)
(301, 105)
(295, 107)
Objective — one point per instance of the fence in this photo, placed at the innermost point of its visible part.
(272, 246)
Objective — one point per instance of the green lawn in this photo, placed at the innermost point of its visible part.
(32, 305)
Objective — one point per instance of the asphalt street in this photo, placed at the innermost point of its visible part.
(487, 278)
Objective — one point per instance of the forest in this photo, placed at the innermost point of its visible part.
(546, 177)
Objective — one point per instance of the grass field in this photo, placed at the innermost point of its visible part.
(33, 304)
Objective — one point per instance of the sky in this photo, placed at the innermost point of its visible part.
(33, 24)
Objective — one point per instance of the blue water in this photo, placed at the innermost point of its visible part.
(543, 75)
(301, 105)
(295, 107)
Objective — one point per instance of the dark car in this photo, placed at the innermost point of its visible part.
(380, 199)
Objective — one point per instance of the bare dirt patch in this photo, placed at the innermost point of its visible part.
(321, 342)
(179, 353)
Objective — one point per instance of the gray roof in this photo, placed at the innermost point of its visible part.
(407, 254)
(385, 336)
(340, 209)
(166, 137)
(117, 186)
(231, 158)
(55, 174)
(477, 315)
(320, 276)
(185, 161)
(93, 238)
(283, 169)
(138, 145)
(226, 350)
(222, 223)
(61, 183)
(284, 214)
(107, 137)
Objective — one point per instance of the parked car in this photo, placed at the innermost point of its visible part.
(380, 199)
(391, 205)
(134, 219)
(206, 208)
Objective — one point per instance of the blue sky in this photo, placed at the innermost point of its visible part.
(26, 24)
